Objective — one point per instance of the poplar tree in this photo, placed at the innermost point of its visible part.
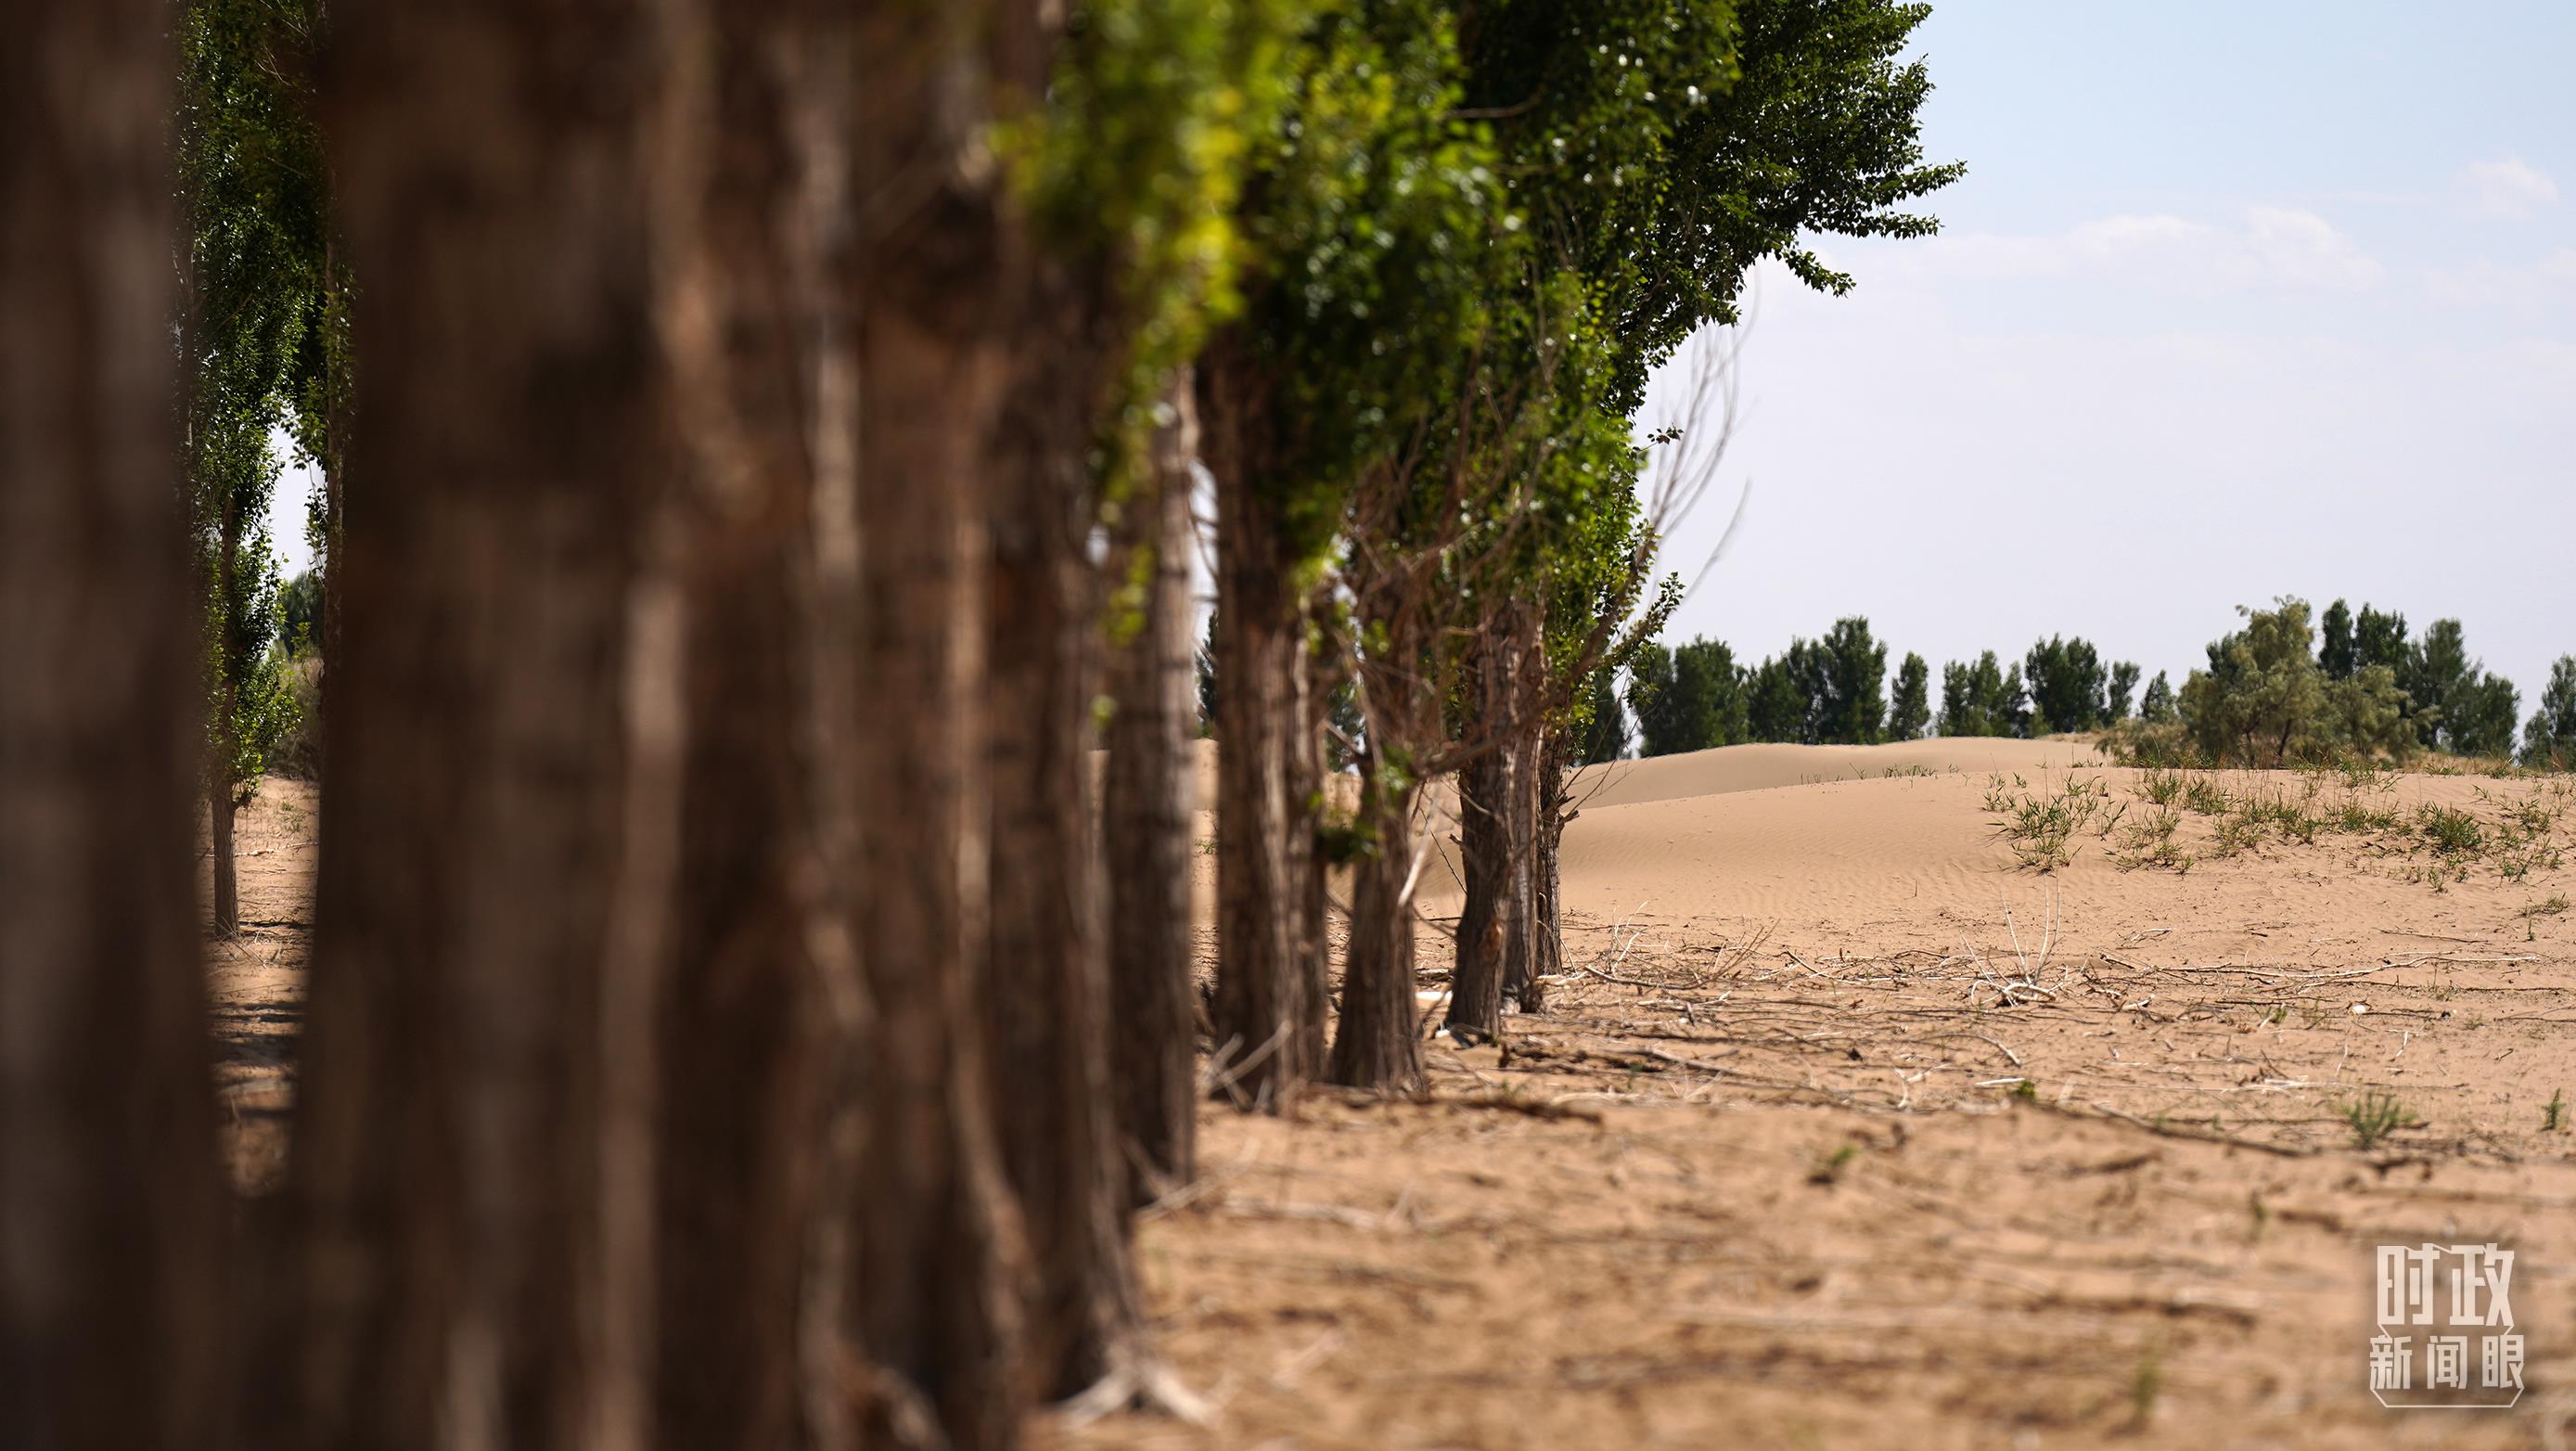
(2549, 737)
(257, 334)
(2156, 707)
(1911, 710)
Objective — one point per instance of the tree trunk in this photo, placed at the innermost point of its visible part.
(1525, 951)
(219, 767)
(1304, 792)
(1045, 991)
(1494, 854)
(472, 1182)
(761, 1013)
(1547, 878)
(1374, 1045)
(1145, 828)
(219, 837)
(937, 1254)
(1266, 1014)
(111, 1204)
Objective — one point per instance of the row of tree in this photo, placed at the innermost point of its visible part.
(1695, 696)
(2280, 690)
(1835, 691)
(756, 443)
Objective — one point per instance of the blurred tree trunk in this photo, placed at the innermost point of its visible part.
(471, 1221)
(938, 1258)
(1045, 992)
(111, 1203)
(1146, 830)
(1267, 1013)
(764, 1004)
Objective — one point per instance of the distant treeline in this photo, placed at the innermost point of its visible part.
(2422, 692)
(1833, 691)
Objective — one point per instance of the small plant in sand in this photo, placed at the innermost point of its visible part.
(2145, 1387)
(2148, 841)
(2160, 786)
(2204, 796)
(2553, 1115)
(2450, 831)
(2362, 819)
(2038, 826)
(2374, 1116)
(1829, 1167)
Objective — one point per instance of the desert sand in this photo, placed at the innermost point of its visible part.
(1845, 1128)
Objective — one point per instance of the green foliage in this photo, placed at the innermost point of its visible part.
(2123, 688)
(1653, 151)
(2069, 688)
(2549, 738)
(1604, 734)
(263, 327)
(2264, 702)
(2455, 704)
(2335, 651)
(1980, 699)
(1690, 697)
(1375, 240)
(2156, 707)
(1842, 676)
(1777, 704)
(1667, 146)
(1911, 710)
(2378, 639)
(299, 604)
(1135, 168)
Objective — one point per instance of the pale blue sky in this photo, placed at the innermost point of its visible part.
(2236, 300)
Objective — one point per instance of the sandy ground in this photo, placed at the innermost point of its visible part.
(1845, 1129)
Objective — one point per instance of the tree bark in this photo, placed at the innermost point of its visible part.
(1374, 1045)
(1146, 824)
(1267, 1013)
(471, 1216)
(111, 1204)
(1525, 951)
(763, 1003)
(937, 1254)
(1494, 854)
(1548, 878)
(1045, 991)
(226, 907)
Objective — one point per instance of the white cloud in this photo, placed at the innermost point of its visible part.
(2276, 249)
(2508, 188)
(2547, 283)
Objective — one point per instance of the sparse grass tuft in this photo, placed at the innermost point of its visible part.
(2148, 841)
(1828, 1170)
(2039, 825)
(2449, 830)
(2374, 1116)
